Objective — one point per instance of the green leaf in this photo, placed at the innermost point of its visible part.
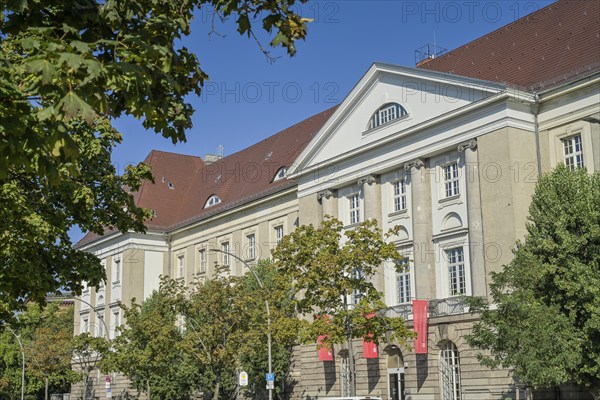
(42, 67)
(74, 106)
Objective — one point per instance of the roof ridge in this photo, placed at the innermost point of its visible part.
(495, 31)
(304, 121)
(175, 154)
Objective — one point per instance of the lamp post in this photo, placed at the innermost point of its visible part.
(23, 361)
(260, 284)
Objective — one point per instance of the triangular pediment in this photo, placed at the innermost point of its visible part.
(424, 95)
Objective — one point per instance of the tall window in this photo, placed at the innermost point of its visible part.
(117, 270)
(251, 246)
(116, 322)
(456, 271)
(202, 258)
(278, 234)
(400, 195)
(450, 372)
(451, 187)
(85, 325)
(354, 207)
(100, 326)
(357, 294)
(573, 152)
(225, 255)
(180, 267)
(403, 283)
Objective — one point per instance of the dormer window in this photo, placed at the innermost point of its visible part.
(280, 174)
(212, 200)
(387, 113)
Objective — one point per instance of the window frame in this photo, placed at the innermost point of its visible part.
(452, 182)
(571, 159)
(279, 229)
(251, 243)
(117, 270)
(354, 209)
(400, 198)
(225, 247)
(386, 114)
(407, 286)
(213, 200)
(454, 277)
(450, 372)
(202, 260)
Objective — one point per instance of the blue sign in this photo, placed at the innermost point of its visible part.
(270, 377)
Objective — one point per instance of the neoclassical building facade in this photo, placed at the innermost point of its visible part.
(449, 152)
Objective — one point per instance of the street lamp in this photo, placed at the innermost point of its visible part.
(260, 284)
(23, 363)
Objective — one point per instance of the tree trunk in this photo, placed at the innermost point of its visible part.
(46, 388)
(217, 388)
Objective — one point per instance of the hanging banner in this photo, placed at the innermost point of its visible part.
(420, 325)
(325, 354)
(370, 349)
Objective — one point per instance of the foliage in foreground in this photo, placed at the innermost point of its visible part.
(46, 335)
(547, 322)
(68, 69)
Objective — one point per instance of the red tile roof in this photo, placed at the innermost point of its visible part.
(550, 46)
(183, 183)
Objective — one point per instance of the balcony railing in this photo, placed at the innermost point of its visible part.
(437, 308)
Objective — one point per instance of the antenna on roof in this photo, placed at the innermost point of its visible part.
(428, 52)
(211, 158)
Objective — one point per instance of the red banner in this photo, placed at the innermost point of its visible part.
(370, 349)
(325, 354)
(420, 325)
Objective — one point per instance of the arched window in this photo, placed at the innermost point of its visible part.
(280, 174)
(212, 200)
(450, 372)
(386, 113)
(395, 370)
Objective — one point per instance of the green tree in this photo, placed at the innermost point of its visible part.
(150, 350)
(88, 352)
(285, 326)
(329, 267)
(68, 69)
(46, 334)
(545, 322)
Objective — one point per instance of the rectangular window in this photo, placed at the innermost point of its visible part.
(117, 271)
(451, 187)
(573, 152)
(116, 322)
(85, 325)
(357, 294)
(387, 114)
(251, 246)
(278, 234)
(180, 267)
(225, 251)
(202, 259)
(403, 283)
(100, 326)
(399, 195)
(456, 271)
(354, 203)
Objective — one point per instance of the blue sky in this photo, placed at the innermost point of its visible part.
(248, 99)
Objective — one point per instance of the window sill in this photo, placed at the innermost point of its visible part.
(401, 213)
(383, 126)
(449, 201)
(351, 226)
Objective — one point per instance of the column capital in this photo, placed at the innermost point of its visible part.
(369, 179)
(327, 194)
(417, 163)
(470, 144)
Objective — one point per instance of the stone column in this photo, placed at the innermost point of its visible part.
(476, 239)
(371, 191)
(328, 200)
(424, 250)
(372, 198)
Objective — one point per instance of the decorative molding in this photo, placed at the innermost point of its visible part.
(327, 194)
(470, 144)
(369, 179)
(417, 163)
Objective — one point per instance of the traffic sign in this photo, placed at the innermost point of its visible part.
(270, 385)
(270, 377)
(243, 378)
